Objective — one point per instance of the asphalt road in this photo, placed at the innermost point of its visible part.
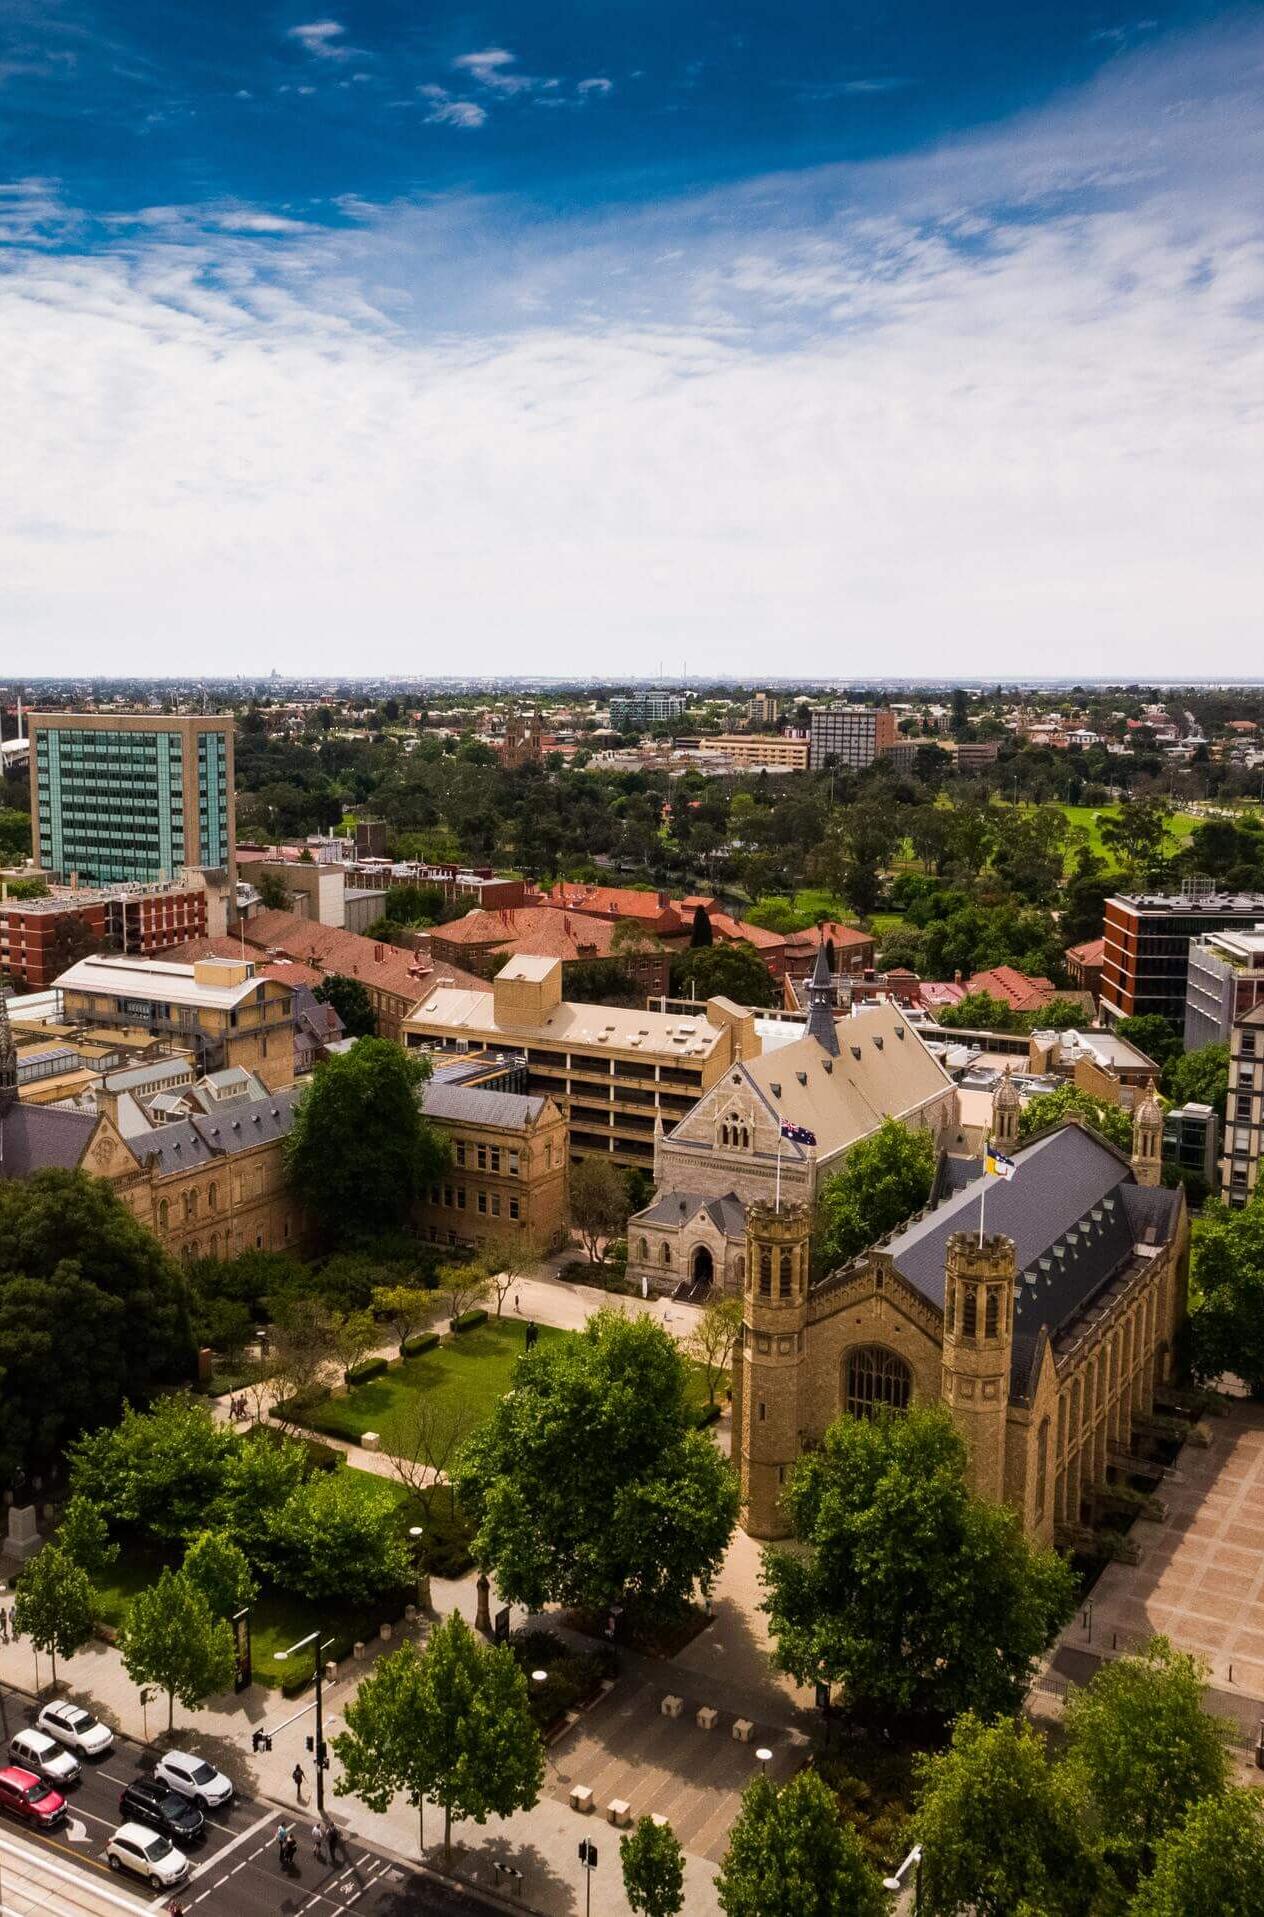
(235, 1872)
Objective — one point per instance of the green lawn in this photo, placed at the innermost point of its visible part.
(1088, 818)
(476, 1366)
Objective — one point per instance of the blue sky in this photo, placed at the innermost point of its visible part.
(471, 338)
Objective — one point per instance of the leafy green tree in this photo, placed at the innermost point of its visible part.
(451, 1722)
(723, 971)
(717, 1331)
(1138, 836)
(653, 1869)
(351, 1001)
(1200, 1077)
(1152, 1034)
(599, 1205)
(354, 1338)
(979, 1012)
(15, 834)
(1050, 1108)
(883, 1180)
(221, 1573)
(1214, 1861)
(1144, 1750)
(859, 843)
(274, 893)
(84, 1537)
(171, 1638)
(602, 981)
(158, 1470)
(55, 1605)
(908, 1591)
(1029, 851)
(338, 1536)
(78, 1274)
(790, 1855)
(360, 1153)
(1227, 1323)
(1002, 1829)
(261, 1474)
(643, 1509)
(406, 1308)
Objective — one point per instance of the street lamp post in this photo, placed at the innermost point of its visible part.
(896, 1882)
(417, 1533)
(313, 1638)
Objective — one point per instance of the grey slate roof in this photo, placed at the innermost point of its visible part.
(728, 1214)
(39, 1137)
(474, 1105)
(1075, 1213)
(234, 1126)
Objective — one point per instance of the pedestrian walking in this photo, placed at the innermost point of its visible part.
(334, 1840)
(297, 1775)
(318, 1840)
(282, 1835)
(4, 1625)
(517, 1301)
(533, 1332)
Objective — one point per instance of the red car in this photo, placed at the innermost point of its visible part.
(30, 1798)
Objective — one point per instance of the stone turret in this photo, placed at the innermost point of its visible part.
(1007, 1109)
(820, 1025)
(1147, 1139)
(774, 1321)
(979, 1287)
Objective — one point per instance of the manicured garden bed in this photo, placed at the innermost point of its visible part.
(476, 1366)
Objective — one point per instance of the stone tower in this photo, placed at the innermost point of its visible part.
(8, 1058)
(1147, 1139)
(774, 1320)
(820, 1025)
(979, 1283)
(1006, 1110)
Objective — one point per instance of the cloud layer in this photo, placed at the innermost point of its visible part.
(992, 409)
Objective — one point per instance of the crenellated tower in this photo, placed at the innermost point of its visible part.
(773, 1349)
(1147, 1139)
(1007, 1109)
(979, 1284)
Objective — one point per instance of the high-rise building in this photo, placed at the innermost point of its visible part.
(1145, 961)
(645, 709)
(850, 735)
(765, 709)
(1226, 978)
(1244, 1116)
(118, 797)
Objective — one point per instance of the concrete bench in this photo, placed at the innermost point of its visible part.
(581, 1797)
(708, 1717)
(743, 1730)
(619, 1812)
(371, 1440)
(672, 1705)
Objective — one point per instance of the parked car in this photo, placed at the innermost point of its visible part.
(194, 1777)
(30, 1798)
(146, 1854)
(147, 1800)
(71, 1725)
(37, 1751)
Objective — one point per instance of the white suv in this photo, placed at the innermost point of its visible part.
(146, 1854)
(38, 1752)
(70, 1724)
(194, 1777)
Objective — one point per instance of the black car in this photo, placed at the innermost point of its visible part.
(147, 1801)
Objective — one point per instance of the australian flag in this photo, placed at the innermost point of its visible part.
(797, 1134)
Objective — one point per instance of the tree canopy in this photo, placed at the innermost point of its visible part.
(1213, 1861)
(171, 1638)
(723, 971)
(1226, 1326)
(1050, 1108)
(351, 1001)
(913, 1594)
(653, 1869)
(78, 1275)
(55, 1605)
(790, 1855)
(1200, 1077)
(643, 1507)
(883, 1180)
(599, 1204)
(360, 1153)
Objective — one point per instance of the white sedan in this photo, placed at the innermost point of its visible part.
(38, 1752)
(146, 1854)
(194, 1777)
(76, 1728)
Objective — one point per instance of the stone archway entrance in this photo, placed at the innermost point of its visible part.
(702, 1266)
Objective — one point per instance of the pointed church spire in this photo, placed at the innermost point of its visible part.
(820, 1024)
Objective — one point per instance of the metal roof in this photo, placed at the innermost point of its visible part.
(475, 1105)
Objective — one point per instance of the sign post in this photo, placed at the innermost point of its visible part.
(588, 1858)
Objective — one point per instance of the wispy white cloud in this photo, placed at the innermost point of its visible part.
(324, 38)
(598, 84)
(999, 402)
(446, 111)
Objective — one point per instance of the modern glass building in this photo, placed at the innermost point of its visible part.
(118, 797)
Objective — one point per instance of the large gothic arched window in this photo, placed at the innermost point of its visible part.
(876, 1379)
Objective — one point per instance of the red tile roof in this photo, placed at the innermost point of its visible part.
(1092, 952)
(541, 931)
(327, 949)
(1014, 988)
(289, 971)
(618, 902)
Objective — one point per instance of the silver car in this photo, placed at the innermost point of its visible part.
(38, 1752)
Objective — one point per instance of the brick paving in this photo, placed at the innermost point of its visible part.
(1200, 1581)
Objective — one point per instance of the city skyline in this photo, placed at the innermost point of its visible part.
(344, 339)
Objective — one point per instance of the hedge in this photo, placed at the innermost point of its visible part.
(470, 1320)
(419, 1341)
(708, 1415)
(320, 1456)
(371, 1368)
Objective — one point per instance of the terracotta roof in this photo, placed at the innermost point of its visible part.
(757, 936)
(618, 902)
(1014, 988)
(289, 971)
(327, 949)
(838, 935)
(1092, 952)
(540, 931)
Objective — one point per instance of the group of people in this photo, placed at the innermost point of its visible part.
(326, 1843)
(237, 1408)
(9, 1625)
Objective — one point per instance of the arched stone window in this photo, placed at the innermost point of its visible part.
(643, 1250)
(664, 1256)
(876, 1380)
(992, 1312)
(765, 1274)
(739, 1267)
(1042, 1466)
(969, 1311)
(212, 1196)
(786, 1274)
(164, 1214)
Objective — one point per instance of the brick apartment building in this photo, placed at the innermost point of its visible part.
(39, 938)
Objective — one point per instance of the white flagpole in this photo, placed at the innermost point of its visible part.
(777, 1206)
(983, 1197)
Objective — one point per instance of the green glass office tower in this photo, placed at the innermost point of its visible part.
(131, 796)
